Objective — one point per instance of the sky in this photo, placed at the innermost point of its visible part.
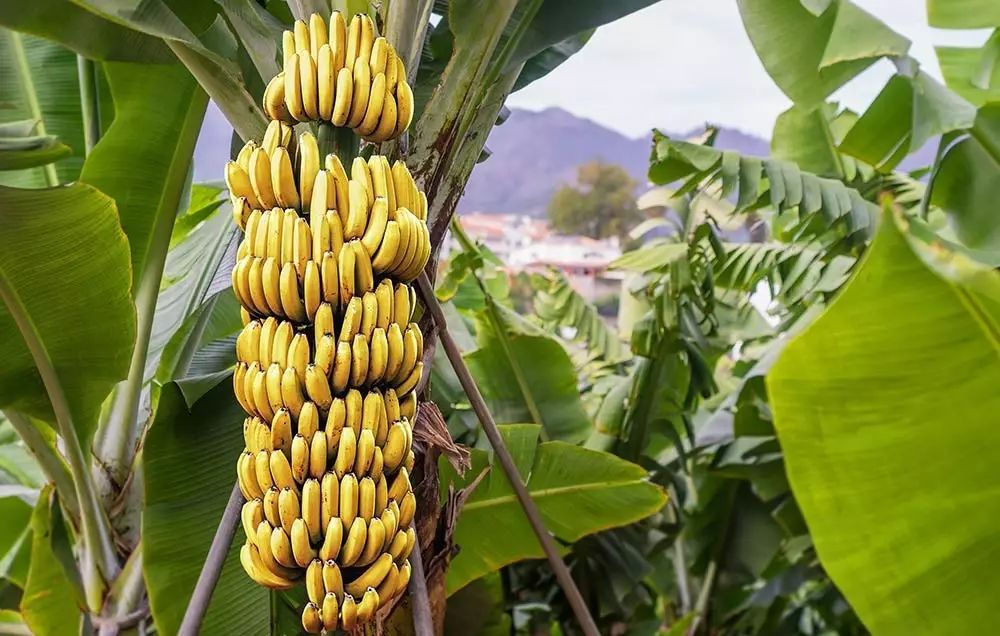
(679, 64)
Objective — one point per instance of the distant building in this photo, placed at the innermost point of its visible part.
(527, 244)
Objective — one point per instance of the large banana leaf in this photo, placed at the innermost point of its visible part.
(49, 605)
(48, 76)
(143, 160)
(526, 375)
(190, 459)
(811, 49)
(67, 316)
(886, 408)
(963, 14)
(78, 29)
(578, 492)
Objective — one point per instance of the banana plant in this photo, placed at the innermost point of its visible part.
(117, 318)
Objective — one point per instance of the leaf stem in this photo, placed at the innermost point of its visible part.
(99, 558)
(31, 97)
(90, 107)
(48, 458)
(423, 623)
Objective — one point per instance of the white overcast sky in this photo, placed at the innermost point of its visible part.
(680, 63)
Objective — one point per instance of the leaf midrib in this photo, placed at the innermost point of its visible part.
(549, 492)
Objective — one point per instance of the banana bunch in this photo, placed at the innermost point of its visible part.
(342, 74)
(329, 356)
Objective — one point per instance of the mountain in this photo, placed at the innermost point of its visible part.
(533, 153)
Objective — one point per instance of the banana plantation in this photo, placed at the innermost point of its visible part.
(276, 404)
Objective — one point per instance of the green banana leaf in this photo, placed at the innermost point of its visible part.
(578, 492)
(190, 458)
(82, 31)
(886, 409)
(49, 605)
(67, 315)
(49, 76)
(22, 147)
(144, 159)
(811, 52)
(526, 375)
(963, 14)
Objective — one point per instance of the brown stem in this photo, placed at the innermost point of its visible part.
(545, 539)
(423, 624)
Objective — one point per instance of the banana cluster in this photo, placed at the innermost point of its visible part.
(342, 74)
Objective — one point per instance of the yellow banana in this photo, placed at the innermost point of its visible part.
(366, 40)
(388, 585)
(336, 229)
(342, 365)
(308, 420)
(272, 506)
(384, 302)
(369, 314)
(241, 212)
(300, 32)
(388, 517)
(392, 414)
(267, 559)
(330, 499)
(262, 470)
(330, 612)
(281, 343)
(312, 292)
(325, 351)
(274, 99)
(318, 387)
(317, 455)
(348, 613)
(238, 182)
(378, 465)
(407, 508)
(378, 221)
(391, 69)
(390, 185)
(365, 453)
(341, 184)
(364, 275)
(260, 178)
(353, 317)
(368, 605)
(409, 360)
(281, 548)
(345, 265)
(354, 406)
(346, 452)
(357, 214)
(354, 544)
(395, 447)
(404, 108)
(403, 182)
(389, 248)
(281, 471)
(239, 378)
(255, 284)
(317, 214)
(248, 342)
(299, 354)
(330, 277)
(366, 500)
(312, 509)
(400, 485)
(287, 248)
(281, 431)
(300, 458)
(314, 581)
(408, 406)
(301, 548)
(397, 546)
(335, 424)
(338, 39)
(373, 408)
(323, 324)
(361, 173)
(251, 561)
(362, 89)
(343, 97)
(269, 286)
(312, 621)
(348, 500)
(260, 396)
(302, 251)
(379, 356)
(291, 392)
(317, 34)
(359, 360)
(377, 98)
(251, 515)
(291, 299)
(249, 379)
(402, 309)
(332, 540)
(309, 165)
(410, 382)
(371, 577)
(396, 352)
(379, 56)
(283, 178)
(381, 491)
(333, 580)
(404, 578)
(353, 40)
(387, 123)
(272, 384)
(288, 508)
